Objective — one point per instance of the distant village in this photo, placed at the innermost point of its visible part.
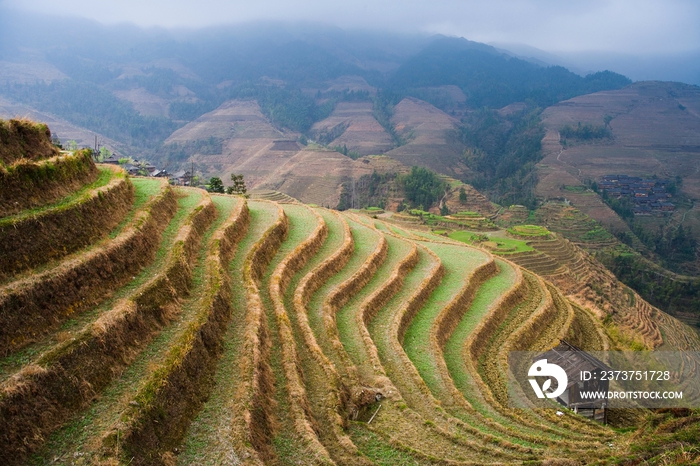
(142, 168)
(133, 167)
(648, 196)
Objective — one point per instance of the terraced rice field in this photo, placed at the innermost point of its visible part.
(224, 330)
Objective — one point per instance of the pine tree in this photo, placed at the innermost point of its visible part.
(216, 185)
(238, 185)
(462, 196)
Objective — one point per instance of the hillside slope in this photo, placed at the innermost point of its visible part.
(246, 142)
(655, 131)
(250, 332)
(430, 135)
(60, 128)
(352, 125)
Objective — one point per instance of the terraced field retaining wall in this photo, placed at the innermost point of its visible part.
(304, 422)
(27, 183)
(530, 330)
(488, 326)
(24, 139)
(390, 287)
(339, 394)
(427, 286)
(340, 295)
(257, 387)
(375, 303)
(44, 394)
(451, 315)
(31, 306)
(166, 405)
(55, 233)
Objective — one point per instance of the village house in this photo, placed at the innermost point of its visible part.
(181, 178)
(574, 361)
(649, 196)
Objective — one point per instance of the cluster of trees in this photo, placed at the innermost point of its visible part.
(383, 109)
(422, 188)
(216, 185)
(586, 132)
(674, 246)
(93, 107)
(503, 153)
(353, 154)
(368, 191)
(462, 196)
(664, 292)
(622, 207)
(328, 135)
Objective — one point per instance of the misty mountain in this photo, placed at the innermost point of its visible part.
(299, 52)
(681, 67)
(137, 86)
(490, 78)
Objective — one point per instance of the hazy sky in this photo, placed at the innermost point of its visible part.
(630, 26)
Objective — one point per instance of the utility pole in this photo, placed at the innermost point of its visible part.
(353, 193)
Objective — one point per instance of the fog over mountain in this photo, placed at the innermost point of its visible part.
(673, 66)
(610, 25)
(644, 40)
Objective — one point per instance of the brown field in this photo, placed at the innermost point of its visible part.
(241, 119)
(271, 159)
(362, 134)
(430, 137)
(248, 140)
(144, 102)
